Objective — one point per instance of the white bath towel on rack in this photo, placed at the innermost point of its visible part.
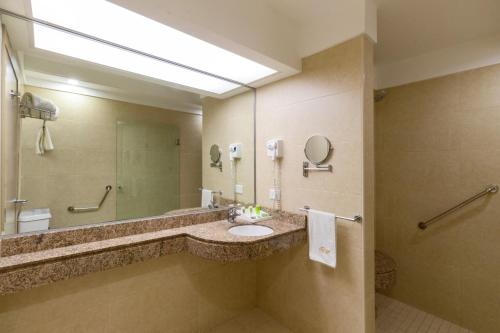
(322, 237)
(35, 106)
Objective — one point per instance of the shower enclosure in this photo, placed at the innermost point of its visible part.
(147, 169)
(437, 171)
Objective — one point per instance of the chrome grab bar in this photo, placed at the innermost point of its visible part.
(356, 218)
(74, 209)
(490, 189)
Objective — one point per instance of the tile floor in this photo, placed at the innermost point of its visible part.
(254, 321)
(392, 317)
(396, 317)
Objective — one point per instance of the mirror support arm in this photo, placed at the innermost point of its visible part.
(306, 168)
(217, 165)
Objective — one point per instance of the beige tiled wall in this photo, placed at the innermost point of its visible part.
(185, 294)
(177, 293)
(327, 98)
(227, 121)
(437, 143)
(84, 159)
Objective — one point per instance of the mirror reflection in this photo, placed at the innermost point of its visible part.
(229, 122)
(88, 143)
(215, 153)
(215, 157)
(318, 149)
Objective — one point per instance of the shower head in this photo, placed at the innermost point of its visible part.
(379, 95)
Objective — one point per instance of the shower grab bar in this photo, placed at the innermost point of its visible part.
(489, 189)
(74, 209)
(356, 218)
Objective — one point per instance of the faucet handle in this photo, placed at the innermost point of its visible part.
(232, 213)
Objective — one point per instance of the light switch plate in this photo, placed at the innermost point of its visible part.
(238, 188)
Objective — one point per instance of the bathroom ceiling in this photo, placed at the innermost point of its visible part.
(322, 24)
(118, 25)
(410, 28)
(274, 33)
(50, 70)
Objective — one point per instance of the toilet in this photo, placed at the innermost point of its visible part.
(37, 219)
(385, 271)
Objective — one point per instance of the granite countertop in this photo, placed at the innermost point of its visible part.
(211, 232)
(210, 240)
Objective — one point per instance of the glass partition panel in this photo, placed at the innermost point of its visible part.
(147, 169)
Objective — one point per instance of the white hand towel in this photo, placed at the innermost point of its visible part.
(38, 144)
(43, 141)
(206, 198)
(47, 142)
(322, 237)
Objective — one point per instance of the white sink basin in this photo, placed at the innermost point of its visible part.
(250, 230)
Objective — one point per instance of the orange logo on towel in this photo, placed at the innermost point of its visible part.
(324, 250)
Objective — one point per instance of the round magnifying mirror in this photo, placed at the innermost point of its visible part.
(317, 149)
(215, 153)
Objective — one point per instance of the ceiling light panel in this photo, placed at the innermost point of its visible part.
(85, 49)
(113, 23)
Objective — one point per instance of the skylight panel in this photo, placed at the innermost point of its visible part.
(85, 49)
(119, 25)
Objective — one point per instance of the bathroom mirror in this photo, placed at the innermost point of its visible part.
(215, 156)
(215, 153)
(317, 149)
(116, 143)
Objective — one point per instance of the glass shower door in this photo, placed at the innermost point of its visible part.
(147, 169)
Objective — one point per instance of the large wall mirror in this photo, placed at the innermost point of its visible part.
(87, 140)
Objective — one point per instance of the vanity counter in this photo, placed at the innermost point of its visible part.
(210, 240)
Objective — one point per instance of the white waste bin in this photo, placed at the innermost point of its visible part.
(34, 220)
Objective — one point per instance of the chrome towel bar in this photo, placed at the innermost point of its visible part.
(73, 209)
(214, 192)
(356, 218)
(489, 189)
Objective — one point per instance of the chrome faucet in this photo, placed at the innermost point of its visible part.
(232, 214)
(213, 204)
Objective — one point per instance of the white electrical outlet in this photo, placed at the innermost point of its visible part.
(238, 188)
(274, 194)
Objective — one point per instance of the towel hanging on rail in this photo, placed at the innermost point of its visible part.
(43, 140)
(207, 198)
(322, 237)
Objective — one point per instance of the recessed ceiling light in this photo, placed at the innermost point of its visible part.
(116, 24)
(73, 82)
